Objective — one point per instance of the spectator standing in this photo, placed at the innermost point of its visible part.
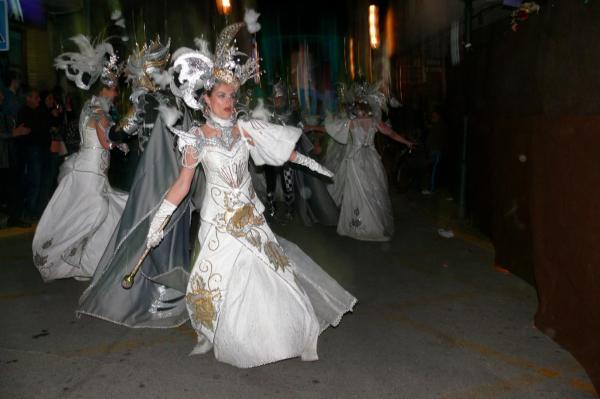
(54, 114)
(13, 101)
(35, 149)
(436, 131)
(10, 187)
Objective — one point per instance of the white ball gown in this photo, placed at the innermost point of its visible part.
(79, 220)
(257, 297)
(360, 187)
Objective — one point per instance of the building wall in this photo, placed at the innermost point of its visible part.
(39, 59)
(534, 175)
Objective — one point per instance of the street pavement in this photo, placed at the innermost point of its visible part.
(434, 320)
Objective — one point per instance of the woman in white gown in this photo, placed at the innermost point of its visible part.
(360, 187)
(253, 297)
(80, 218)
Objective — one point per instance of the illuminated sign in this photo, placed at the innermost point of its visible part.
(4, 42)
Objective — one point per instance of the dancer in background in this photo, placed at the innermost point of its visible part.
(84, 210)
(360, 187)
(157, 299)
(282, 114)
(304, 191)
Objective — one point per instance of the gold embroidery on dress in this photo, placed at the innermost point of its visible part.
(275, 254)
(214, 243)
(244, 217)
(202, 296)
(241, 220)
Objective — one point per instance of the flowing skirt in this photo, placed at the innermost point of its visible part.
(259, 306)
(361, 190)
(79, 220)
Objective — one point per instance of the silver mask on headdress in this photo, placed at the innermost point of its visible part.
(199, 69)
(90, 63)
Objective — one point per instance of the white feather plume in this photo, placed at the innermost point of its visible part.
(169, 115)
(260, 112)
(88, 61)
(181, 51)
(251, 20)
(162, 79)
(203, 46)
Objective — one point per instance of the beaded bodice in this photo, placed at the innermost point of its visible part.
(362, 132)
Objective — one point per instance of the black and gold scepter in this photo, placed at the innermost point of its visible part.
(129, 278)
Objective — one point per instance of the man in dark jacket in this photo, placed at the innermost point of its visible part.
(35, 151)
(10, 186)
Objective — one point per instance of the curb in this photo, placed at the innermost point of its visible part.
(16, 231)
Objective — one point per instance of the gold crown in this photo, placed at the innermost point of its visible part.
(226, 76)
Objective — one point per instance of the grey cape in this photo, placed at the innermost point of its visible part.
(157, 298)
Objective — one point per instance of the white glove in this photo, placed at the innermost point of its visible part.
(312, 165)
(155, 233)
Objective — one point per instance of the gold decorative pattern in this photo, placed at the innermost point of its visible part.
(233, 175)
(129, 116)
(242, 220)
(227, 76)
(275, 254)
(201, 297)
(244, 217)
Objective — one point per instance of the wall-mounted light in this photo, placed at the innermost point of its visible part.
(390, 35)
(374, 26)
(224, 6)
(351, 57)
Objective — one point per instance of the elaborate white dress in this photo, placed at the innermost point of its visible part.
(257, 297)
(79, 220)
(360, 186)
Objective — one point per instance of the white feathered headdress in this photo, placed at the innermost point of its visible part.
(90, 63)
(200, 69)
(366, 93)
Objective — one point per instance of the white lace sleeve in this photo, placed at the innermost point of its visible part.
(191, 145)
